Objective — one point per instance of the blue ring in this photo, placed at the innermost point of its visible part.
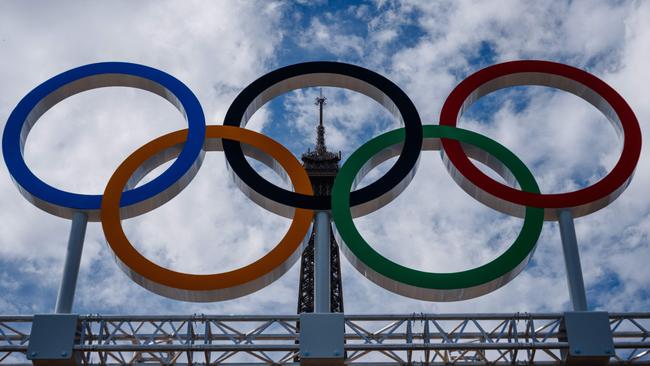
(107, 74)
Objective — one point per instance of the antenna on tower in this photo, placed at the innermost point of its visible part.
(320, 102)
(320, 138)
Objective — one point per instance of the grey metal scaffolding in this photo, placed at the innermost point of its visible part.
(418, 339)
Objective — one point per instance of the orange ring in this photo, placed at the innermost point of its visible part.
(208, 287)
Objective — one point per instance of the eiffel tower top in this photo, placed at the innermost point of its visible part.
(321, 165)
(320, 158)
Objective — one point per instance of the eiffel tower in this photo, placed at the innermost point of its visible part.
(321, 166)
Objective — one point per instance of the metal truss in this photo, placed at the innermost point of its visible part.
(416, 339)
(306, 286)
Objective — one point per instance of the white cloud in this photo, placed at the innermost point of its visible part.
(331, 38)
(349, 117)
(213, 49)
(563, 139)
(218, 49)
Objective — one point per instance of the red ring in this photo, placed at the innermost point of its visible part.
(581, 202)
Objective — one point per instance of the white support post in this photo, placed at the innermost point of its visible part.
(572, 261)
(65, 297)
(322, 291)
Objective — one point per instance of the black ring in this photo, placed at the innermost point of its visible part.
(324, 73)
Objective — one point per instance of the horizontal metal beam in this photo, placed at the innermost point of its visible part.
(359, 317)
(377, 339)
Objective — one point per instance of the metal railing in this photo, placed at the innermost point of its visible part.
(418, 339)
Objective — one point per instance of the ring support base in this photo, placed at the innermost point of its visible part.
(322, 339)
(589, 336)
(52, 339)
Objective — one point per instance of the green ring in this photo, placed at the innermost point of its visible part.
(428, 285)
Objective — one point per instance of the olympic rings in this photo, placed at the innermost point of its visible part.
(212, 287)
(335, 74)
(572, 80)
(426, 285)
(99, 75)
(188, 147)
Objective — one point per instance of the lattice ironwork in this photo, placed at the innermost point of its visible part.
(336, 283)
(14, 337)
(306, 285)
(306, 289)
(417, 339)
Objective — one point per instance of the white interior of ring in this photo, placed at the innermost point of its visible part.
(479, 194)
(550, 80)
(429, 144)
(89, 83)
(321, 79)
(381, 201)
(170, 153)
(253, 195)
(490, 161)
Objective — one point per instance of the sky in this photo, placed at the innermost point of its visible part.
(425, 47)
